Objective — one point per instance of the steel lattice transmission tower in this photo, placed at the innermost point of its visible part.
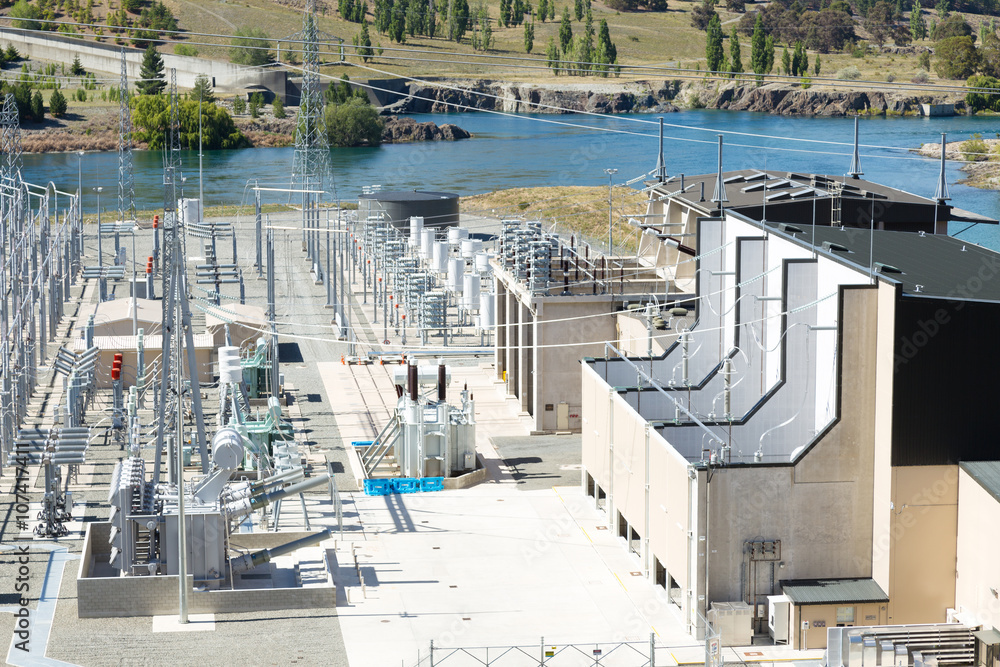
(10, 141)
(126, 181)
(311, 165)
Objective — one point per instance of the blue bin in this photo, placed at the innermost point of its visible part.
(405, 485)
(432, 484)
(378, 487)
(361, 443)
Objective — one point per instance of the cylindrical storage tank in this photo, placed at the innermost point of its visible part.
(416, 229)
(470, 291)
(483, 262)
(438, 209)
(456, 267)
(426, 243)
(456, 234)
(470, 247)
(487, 315)
(439, 256)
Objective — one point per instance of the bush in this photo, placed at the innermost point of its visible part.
(29, 15)
(925, 60)
(37, 107)
(353, 123)
(921, 77)
(849, 73)
(80, 95)
(979, 100)
(974, 149)
(57, 104)
(185, 50)
(279, 107)
(239, 106)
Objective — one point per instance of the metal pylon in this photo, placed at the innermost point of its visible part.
(10, 140)
(126, 181)
(174, 153)
(311, 165)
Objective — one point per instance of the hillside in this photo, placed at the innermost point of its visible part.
(661, 38)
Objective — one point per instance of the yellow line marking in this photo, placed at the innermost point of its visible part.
(620, 582)
(585, 533)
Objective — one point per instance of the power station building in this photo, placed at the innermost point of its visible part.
(817, 429)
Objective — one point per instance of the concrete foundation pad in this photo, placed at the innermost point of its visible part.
(196, 623)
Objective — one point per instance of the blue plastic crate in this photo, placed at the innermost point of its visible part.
(361, 443)
(432, 484)
(378, 487)
(405, 485)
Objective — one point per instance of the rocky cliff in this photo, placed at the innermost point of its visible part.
(654, 96)
(595, 96)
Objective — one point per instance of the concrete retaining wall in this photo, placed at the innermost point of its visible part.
(106, 58)
(101, 597)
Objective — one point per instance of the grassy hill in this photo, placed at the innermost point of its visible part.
(647, 38)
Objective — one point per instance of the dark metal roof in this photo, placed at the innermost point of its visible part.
(987, 473)
(408, 195)
(931, 265)
(833, 591)
(745, 190)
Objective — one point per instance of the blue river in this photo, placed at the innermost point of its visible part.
(574, 149)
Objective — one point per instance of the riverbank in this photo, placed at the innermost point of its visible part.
(981, 157)
(94, 128)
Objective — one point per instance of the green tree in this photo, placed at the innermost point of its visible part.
(28, 15)
(943, 8)
(565, 31)
(256, 102)
(77, 69)
(879, 21)
(605, 46)
(529, 36)
(363, 42)
(578, 9)
(816, 66)
(758, 56)
(151, 81)
(702, 14)
(10, 54)
(955, 58)
(978, 100)
(543, 10)
(239, 105)
(918, 27)
(354, 123)
(37, 107)
(57, 104)
(585, 47)
(202, 89)
(786, 61)
(713, 45)
(151, 118)
(769, 53)
(458, 19)
(552, 56)
(251, 47)
(278, 107)
(504, 12)
(800, 60)
(735, 57)
(953, 26)
(552, 10)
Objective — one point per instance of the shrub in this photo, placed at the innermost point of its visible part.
(239, 106)
(956, 58)
(981, 100)
(250, 46)
(974, 148)
(921, 77)
(185, 50)
(353, 123)
(279, 107)
(80, 95)
(849, 73)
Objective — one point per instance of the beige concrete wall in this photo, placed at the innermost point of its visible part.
(978, 554)
(923, 529)
(882, 476)
(823, 616)
(568, 329)
(820, 509)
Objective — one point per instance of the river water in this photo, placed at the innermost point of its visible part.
(574, 149)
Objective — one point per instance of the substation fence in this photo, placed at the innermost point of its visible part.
(606, 654)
